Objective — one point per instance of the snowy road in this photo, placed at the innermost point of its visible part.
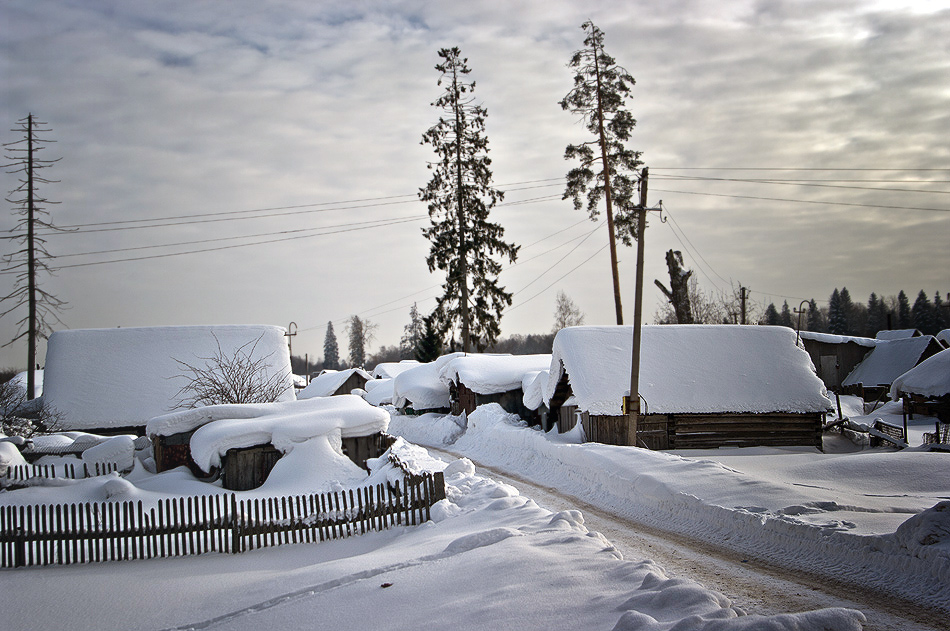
(754, 586)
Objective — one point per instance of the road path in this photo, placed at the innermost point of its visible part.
(754, 586)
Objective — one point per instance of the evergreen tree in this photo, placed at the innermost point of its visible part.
(360, 334)
(566, 313)
(785, 317)
(814, 317)
(837, 320)
(922, 314)
(877, 316)
(29, 262)
(460, 196)
(903, 311)
(771, 316)
(607, 168)
(848, 312)
(941, 317)
(412, 333)
(429, 347)
(331, 350)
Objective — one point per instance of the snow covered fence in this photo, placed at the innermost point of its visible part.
(66, 470)
(60, 534)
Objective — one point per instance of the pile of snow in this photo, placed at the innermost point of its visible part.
(419, 387)
(533, 387)
(379, 391)
(118, 450)
(223, 427)
(688, 369)
(888, 361)
(931, 378)
(10, 456)
(108, 378)
(20, 380)
(388, 370)
(329, 382)
(492, 374)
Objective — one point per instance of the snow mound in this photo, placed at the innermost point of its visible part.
(689, 369)
(533, 387)
(329, 382)
(492, 374)
(118, 449)
(420, 388)
(388, 370)
(928, 528)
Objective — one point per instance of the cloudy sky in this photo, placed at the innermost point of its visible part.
(258, 162)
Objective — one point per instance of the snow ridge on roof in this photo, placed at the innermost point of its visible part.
(420, 387)
(888, 361)
(391, 369)
(830, 338)
(897, 334)
(329, 382)
(492, 374)
(930, 378)
(688, 369)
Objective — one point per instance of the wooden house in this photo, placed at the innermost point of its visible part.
(332, 383)
(872, 378)
(835, 356)
(925, 389)
(701, 386)
(419, 389)
(474, 380)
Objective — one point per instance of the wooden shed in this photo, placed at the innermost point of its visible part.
(925, 389)
(331, 383)
(872, 378)
(701, 387)
(835, 356)
(475, 380)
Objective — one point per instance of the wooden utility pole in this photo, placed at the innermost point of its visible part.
(31, 266)
(743, 295)
(632, 402)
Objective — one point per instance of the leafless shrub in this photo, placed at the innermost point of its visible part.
(231, 378)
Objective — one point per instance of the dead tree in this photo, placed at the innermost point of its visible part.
(678, 294)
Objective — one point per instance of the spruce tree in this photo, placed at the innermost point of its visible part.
(429, 347)
(360, 334)
(607, 168)
(876, 315)
(771, 316)
(837, 320)
(785, 317)
(941, 317)
(412, 333)
(814, 317)
(331, 350)
(460, 196)
(922, 314)
(903, 311)
(848, 312)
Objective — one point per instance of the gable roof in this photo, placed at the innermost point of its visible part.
(111, 378)
(688, 369)
(329, 382)
(930, 378)
(391, 369)
(492, 374)
(897, 334)
(889, 360)
(830, 338)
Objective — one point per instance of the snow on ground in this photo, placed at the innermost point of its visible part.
(834, 514)
(489, 559)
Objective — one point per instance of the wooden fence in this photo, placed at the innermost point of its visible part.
(65, 470)
(107, 531)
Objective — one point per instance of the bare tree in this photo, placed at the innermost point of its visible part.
(237, 377)
(566, 313)
(678, 294)
(30, 260)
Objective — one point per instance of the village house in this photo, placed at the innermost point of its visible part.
(331, 383)
(872, 378)
(835, 356)
(474, 380)
(925, 389)
(701, 386)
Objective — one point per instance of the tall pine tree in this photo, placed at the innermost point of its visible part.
(607, 168)
(837, 319)
(429, 347)
(460, 196)
(922, 314)
(785, 317)
(941, 316)
(331, 350)
(877, 316)
(903, 311)
(412, 333)
(815, 322)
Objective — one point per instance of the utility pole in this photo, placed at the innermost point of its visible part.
(632, 402)
(743, 294)
(31, 266)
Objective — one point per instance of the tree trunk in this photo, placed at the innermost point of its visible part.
(608, 197)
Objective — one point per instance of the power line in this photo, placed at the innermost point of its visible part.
(571, 271)
(805, 183)
(803, 201)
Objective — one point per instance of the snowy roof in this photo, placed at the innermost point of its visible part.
(930, 378)
(944, 337)
(492, 374)
(888, 361)
(105, 378)
(829, 338)
(533, 386)
(379, 392)
(21, 379)
(688, 369)
(897, 334)
(391, 369)
(329, 382)
(223, 427)
(420, 387)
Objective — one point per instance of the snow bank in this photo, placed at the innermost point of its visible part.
(420, 388)
(280, 424)
(492, 374)
(117, 449)
(10, 456)
(108, 378)
(688, 369)
(931, 378)
(329, 382)
(388, 370)
(888, 361)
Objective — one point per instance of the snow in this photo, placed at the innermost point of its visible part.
(388, 370)
(379, 392)
(533, 387)
(837, 514)
(888, 361)
(492, 374)
(223, 427)
(930, 378)
(329, 382)
(117, 449)
(688, 369)
(420, 388)
(21, 379)
(896, 334)
(829, 338)
(108, 378)
(944, 338)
